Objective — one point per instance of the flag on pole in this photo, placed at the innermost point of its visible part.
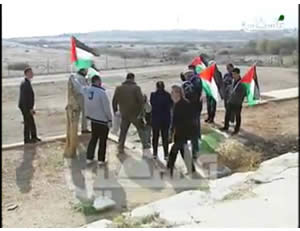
(250, 82)
(81, 54)
(208, 81)
(198, 63)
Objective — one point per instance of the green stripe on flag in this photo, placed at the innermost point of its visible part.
(83, 63)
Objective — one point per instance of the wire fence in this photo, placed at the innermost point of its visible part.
(56, 66)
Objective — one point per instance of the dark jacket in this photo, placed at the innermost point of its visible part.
(183, 120)
(161, 103)
(194, 98)
(129, 99)
(227, 80)
(26, 97)
(238, 93)
(219, 82)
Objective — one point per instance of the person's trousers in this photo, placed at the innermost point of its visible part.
(211, 108)
(235, 111)
(178, 146)
(164, 131)
(29, 126)
(197, 136)
(99, 132)
(83, 116)
(226, 106)
(125, 124)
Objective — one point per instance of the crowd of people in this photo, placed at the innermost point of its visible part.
(173, 116)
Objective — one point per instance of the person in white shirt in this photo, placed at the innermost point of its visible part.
(97, 108)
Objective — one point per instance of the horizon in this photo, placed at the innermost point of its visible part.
(42, 19)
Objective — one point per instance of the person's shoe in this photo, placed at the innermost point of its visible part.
(28, 142)
(235, 133)
(36, 139)
(88, 161)
(224, 129)
(120, 150)
(147, 153)
(154, 157)
(211, 122)
(86, 131)
(207, 120)
(101, 163)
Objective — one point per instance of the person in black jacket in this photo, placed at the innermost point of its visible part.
(228, 80)
(26, 105)
(161, 103)
(210, 101)
(183, 126)
(235, 102)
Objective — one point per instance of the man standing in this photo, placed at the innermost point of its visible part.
(81, 77)
(235, 102)
(228, 80)
(210, 101)
(74, 107)
(128, 98)
(192, 88)
(26, 105)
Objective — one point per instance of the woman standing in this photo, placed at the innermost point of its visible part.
(182, 127)
(161, 103)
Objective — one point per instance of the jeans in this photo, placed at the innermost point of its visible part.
(177, 146)
(211, 108)
(164, 131)
(99, 131)
(142, 131)
(235, 111)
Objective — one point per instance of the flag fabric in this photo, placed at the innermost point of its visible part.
(81, 54)
(208, 81)
(250, 82)
(197, 61)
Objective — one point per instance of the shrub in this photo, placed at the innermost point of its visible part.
(223, 52)
(238, 157)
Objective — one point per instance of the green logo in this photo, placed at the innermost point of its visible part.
(281, 18)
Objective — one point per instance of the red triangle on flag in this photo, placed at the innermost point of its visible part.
(73, 50)
(208, 73)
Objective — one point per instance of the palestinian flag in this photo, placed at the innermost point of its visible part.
(250, 82)
(81, 54)
(208, 81)
(198, 64)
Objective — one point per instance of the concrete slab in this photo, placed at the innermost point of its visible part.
(289, 93)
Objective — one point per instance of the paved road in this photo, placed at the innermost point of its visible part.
(116, 73)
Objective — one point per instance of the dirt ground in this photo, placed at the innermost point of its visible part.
(271, 128)
(33, 175)
(34, 180)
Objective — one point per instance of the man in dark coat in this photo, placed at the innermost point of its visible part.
(26, 105)
(235, 102)
(228, 80)
(161, 103)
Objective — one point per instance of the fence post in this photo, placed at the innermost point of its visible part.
(106, 60)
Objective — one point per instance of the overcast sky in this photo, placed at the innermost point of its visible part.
(44, 17)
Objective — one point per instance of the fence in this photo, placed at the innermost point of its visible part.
(61, 65)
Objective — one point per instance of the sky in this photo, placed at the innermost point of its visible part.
(44, 17)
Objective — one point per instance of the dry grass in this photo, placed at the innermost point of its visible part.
(238, 157)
